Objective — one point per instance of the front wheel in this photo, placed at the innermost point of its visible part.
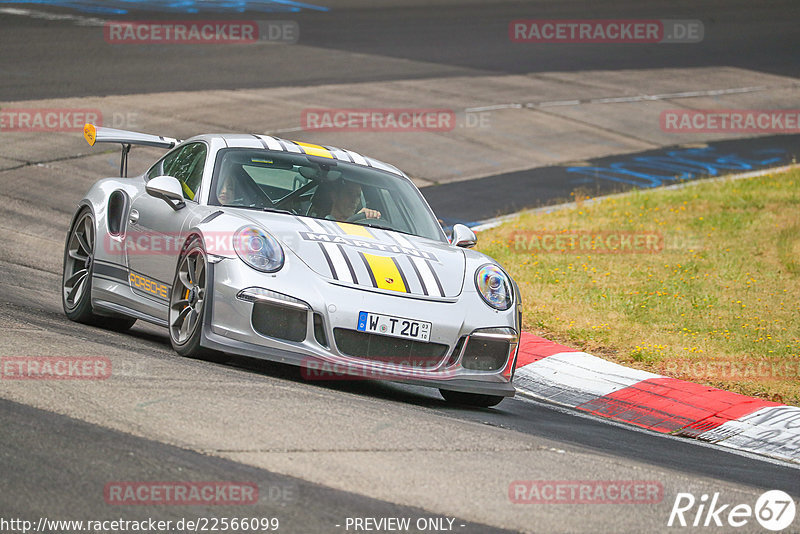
(477, 400)
(76, 280)
(187, 304)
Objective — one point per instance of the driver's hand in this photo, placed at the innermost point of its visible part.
(370, 214)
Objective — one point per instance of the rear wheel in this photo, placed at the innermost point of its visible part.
(187, 305)
(76, 280)
(471, 399)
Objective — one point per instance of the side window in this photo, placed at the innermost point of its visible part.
(155, 170)
(158, 168)
(187, 166)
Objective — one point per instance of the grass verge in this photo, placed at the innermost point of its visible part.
(701, 283)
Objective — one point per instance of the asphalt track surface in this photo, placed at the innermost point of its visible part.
(44, 59)
(56, 458)
(50, 468)
(468, 202)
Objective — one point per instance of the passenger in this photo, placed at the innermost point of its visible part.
(227, 192)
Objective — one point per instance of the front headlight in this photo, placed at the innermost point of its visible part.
(494, 286)
(258, 249)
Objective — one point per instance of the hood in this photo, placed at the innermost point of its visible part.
(370, 258)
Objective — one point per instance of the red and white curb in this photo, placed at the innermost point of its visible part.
(579, 380)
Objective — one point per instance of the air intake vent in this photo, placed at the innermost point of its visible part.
(279, 322)
(485, 354)
(456, 351)
(395, 350)
(319, 330)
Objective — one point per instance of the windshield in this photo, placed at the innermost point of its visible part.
(309, 186)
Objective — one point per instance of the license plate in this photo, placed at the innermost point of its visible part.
(389, 325)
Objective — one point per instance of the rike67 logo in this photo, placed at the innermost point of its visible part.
(774, 510)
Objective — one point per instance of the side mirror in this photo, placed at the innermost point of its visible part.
(463, 237)
(168, 189)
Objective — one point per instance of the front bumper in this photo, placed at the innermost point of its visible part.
(309, 318)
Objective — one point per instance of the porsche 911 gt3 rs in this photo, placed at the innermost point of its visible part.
(311, 255)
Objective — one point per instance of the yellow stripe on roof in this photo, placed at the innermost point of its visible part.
(315, 150)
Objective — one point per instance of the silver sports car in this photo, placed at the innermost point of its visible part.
(287, 251)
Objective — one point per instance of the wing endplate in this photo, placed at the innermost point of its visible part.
(98, 134)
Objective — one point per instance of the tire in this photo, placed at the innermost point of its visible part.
(187, 307)
(76, 277)
(471, 399)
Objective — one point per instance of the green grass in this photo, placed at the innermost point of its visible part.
(724, 290)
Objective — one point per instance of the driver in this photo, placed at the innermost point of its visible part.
(345, 198)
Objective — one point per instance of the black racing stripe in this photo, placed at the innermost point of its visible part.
(149, 278)
(301, 221)
(332, 226)
(419, 276)
(402, 275)
(435, 277)
(148, 296)
(388, 234)
(333, 149)
(346, 153)
(328, 259)
(285, 144)
(349, 265)
(263, 143)
(111, 270)
(369, 269)
(410, 260)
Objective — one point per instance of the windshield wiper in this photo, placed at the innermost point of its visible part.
(381, 227)
(259, 208)
(277, 210)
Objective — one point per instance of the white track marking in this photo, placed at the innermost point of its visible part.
(31, 13)
(567, 373)
(525, 396)
(627, 99)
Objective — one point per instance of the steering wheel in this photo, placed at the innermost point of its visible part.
(361, 216)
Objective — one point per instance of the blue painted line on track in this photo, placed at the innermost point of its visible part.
(123, 7)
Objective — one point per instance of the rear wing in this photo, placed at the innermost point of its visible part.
(97, 134)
